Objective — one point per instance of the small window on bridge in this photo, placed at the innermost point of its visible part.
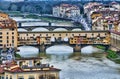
(72, 34)
(33, 34)
(92, 34)
(46, 34)
(59, 34)
(66, 34)
(40, 34)
(53, 34)
(26, 34)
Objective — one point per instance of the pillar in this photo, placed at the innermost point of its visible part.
(42, 48)
(77, 48)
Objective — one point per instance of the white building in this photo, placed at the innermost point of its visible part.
(66, 10)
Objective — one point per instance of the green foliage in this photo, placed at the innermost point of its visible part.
(111, 54)
(17, 55)
(43, 54)
(32, 16)
(100, 47)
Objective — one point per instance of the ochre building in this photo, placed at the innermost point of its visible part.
(8, 31)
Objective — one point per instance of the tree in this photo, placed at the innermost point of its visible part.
(23, 8)
(4, 5)
(13, 7)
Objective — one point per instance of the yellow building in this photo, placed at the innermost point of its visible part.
(8, 31)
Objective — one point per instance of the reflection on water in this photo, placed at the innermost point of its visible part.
(28, 51)
(85, 68)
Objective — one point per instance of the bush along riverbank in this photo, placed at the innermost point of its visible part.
(112, 55)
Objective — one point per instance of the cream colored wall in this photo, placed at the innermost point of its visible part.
(34, 74)
(4, 37)
(115, 40)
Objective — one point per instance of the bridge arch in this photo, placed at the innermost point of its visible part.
(26, 51)
(39, 29)
(60, 29)
(76, 29)
(59, 49)
(22, 30)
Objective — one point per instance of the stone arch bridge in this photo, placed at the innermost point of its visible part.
(76, 47)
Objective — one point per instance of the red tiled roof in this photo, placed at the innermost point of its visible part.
(9, 23)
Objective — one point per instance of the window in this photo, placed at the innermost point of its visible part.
(7, 33)
(59, 34)
(10, 77)
(0, 40)
(0, 36)
(40, 34)
(30, 62)
(7, 37)
(7, 41)
(72, 34)
(33, 34)
(12, 37)
(1, 45)
(12, 41)
(92, 34)
(0, 33)
(2, 77)
(20, 77)
(53, 34)
(66, 34)
(26, 34)
(12, 32)
(6, 77)
(46, 34)
(31, 77)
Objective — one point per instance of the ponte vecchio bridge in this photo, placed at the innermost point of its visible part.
(44, 39)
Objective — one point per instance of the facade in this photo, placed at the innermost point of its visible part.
(100, 21)
(28, 69)
(66, 11)
(115, 40)
(8, 31)
(102, 16)
(49, 37)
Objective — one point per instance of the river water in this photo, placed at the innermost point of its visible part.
(86, 68)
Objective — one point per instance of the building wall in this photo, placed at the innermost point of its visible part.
(8, 38)
(66, 11)
(115, 40)
(8, 31)
(35, 75)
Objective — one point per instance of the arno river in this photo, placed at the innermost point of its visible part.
(85, 67)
